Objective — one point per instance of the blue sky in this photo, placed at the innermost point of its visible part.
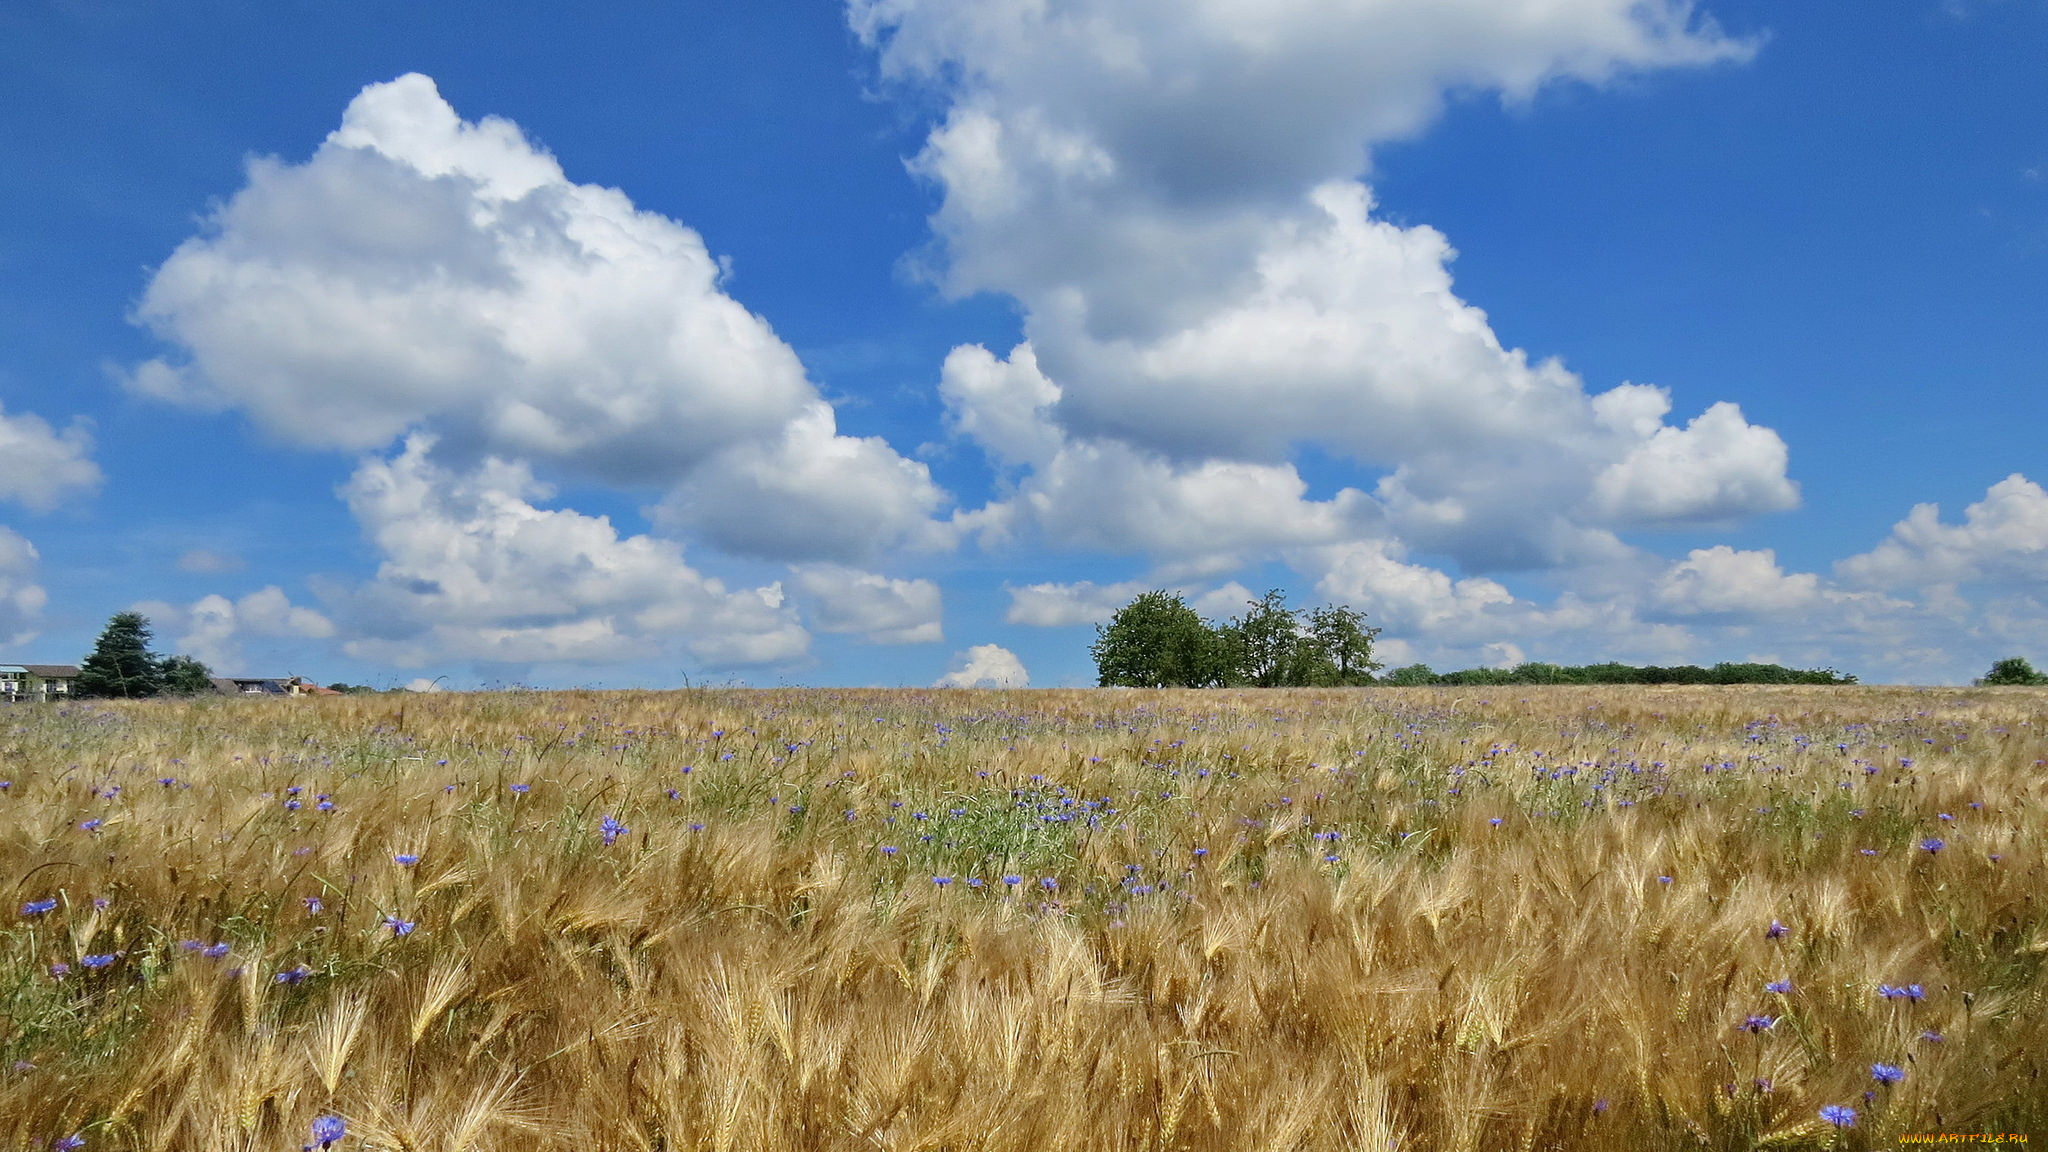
(911, 337)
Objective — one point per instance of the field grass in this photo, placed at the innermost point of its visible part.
(1428, 919)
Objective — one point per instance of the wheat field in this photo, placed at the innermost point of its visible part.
(1506, 918)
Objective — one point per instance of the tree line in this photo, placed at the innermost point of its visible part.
(1159, 641)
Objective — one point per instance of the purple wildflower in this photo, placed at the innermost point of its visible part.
(1775, 931)
(1758, 1023)
(1781, 987)
(1840, 1115)
(214, 951)
(612, 829)
(328, 1129)
(98, 961)
(398, 927)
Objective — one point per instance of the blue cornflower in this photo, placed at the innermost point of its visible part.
(612, 829)
(889, 849)
(1840, 1115)
(696, 827)
(398, 927)
(328, 1129)
(521, 789)
(1013, 879)
(1776, 931)
(291, 805)
(1866, 851)
(1931, 1037)
(313, 905)
(407, 858)
(214, 951)
(69, 1143)
(1200, 852)
(1758, 1023)
(294, 975)
(1048, 883)
(190, 945)
(1887, 1073)
(942, 881)
(974, 881)
(38, 907)
(1495, 821)
(325, 805)
(60, 969)
(1663, 879)
(99, 961)
(92, 825)
(1781, 987)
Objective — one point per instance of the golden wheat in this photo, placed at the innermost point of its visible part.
(1013, 922)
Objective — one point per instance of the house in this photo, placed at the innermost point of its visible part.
(23, 682)
(251, 685)
(269, 686)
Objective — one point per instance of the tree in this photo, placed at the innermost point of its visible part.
(1157, 641)
(1343, 644)
(185, 676)
(1413, 676)
(120, 664)
(2013, 671)
(1264, 644)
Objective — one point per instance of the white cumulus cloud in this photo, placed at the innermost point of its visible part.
(2002, 538)
(212, 628)
(422, 272)
(21, 598)
(1173, 194)
(1724, 580)
(474, 570)
(40, 466)
(880, 609)
(985, 666)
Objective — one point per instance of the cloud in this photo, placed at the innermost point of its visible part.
(204, 562)
(1173, 195)
(1063, 605)
(985, 666)
(1719, 466)
(879, 609)
(474, 570)
(810, 493)
(21, 598)
(1722, 580)
(44, 466)
(1407, 598)
(422, 272)
(212, 628)
(2003, 539)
